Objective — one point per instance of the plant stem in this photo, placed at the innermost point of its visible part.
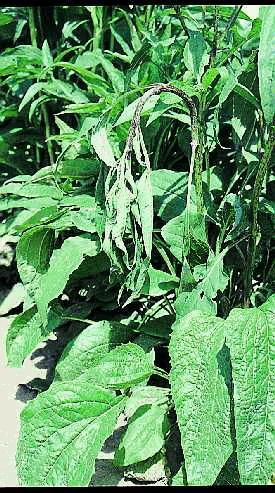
(33, 31)
(33, 34)
(215, 40)
(260, 176)
(196, 151)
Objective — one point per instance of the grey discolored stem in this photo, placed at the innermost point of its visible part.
(157, 89)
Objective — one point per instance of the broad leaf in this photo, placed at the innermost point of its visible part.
(33, 253)
(186, 235)
(64, 261)
(62, 432)
(31, 190)
(251, 339)
(26, 332)
(89, 347)
(144, 436)
(145, 395)
(103, 148)
(188, 301)
(158, 282)
(200, 395)
(169, 191)
(211, 275)
(195, 54)
(123, 367)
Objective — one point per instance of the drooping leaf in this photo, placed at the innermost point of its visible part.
(266, 62)
(144, 436)
(200, 395)
(250, 336)
(62, 432)
(63, 262)
(145, 204)
(89, 347)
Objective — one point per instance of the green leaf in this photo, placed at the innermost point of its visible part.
(31, 190)
(63, 262)
(31, 92)
(113, 73)
(266, 62)
(62, 432)
(185, 234)
(200, 395)
(169, 191)
(129, 111)
(47, 58)
(187, 301)
(145, 435)
(123, 367)
(211, 275)
(251, 339)
(78, 168)
(158, 327)
(82, 200)
(103, 148)
(26, 332)
(89, 347)
(43, 216)
(33, 253)
(145, 205)
(179, 479)
(195, 54)
(158, 282)
(96, 82)
(147, 395)
(24, 203)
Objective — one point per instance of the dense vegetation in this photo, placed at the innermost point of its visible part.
(137, 187)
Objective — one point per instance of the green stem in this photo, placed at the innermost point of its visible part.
(33, 31)
(261, 173)
(33, 34)
(48, 133)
